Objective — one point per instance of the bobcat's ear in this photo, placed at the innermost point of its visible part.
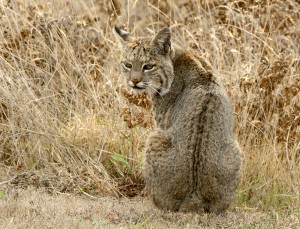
(162, 41)
(122, 36)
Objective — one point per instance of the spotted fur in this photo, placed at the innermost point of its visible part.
(192, 160)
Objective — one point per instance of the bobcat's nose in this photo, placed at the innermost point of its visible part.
(135, 81)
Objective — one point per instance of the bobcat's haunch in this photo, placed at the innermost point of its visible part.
(192, 161)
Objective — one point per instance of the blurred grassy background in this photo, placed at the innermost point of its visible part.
(65, 126)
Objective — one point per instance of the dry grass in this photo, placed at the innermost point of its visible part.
(62, 111)
(37, 209)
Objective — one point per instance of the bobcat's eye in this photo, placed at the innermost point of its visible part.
(148, 66)
(127, 65)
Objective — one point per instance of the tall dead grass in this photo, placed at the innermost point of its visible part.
(66, 124)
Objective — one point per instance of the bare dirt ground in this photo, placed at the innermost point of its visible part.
(35, 208)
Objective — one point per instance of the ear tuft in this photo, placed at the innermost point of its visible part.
(122, 35)
(162, 41)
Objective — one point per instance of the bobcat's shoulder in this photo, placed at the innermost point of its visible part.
(193, 68)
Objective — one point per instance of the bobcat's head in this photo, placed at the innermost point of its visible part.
(147, 63)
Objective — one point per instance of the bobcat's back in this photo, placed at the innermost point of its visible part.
(192, 161)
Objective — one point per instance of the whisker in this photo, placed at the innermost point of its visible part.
(155, 89)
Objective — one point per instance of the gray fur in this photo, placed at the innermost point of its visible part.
(192, 161)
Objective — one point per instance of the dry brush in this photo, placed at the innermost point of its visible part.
(67, 124)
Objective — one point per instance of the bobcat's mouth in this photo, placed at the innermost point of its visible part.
(138, 88)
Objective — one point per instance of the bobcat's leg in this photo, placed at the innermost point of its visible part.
(220, 188)
(158, 142)
(163, 171)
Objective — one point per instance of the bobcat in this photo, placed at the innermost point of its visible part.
(192, 162)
